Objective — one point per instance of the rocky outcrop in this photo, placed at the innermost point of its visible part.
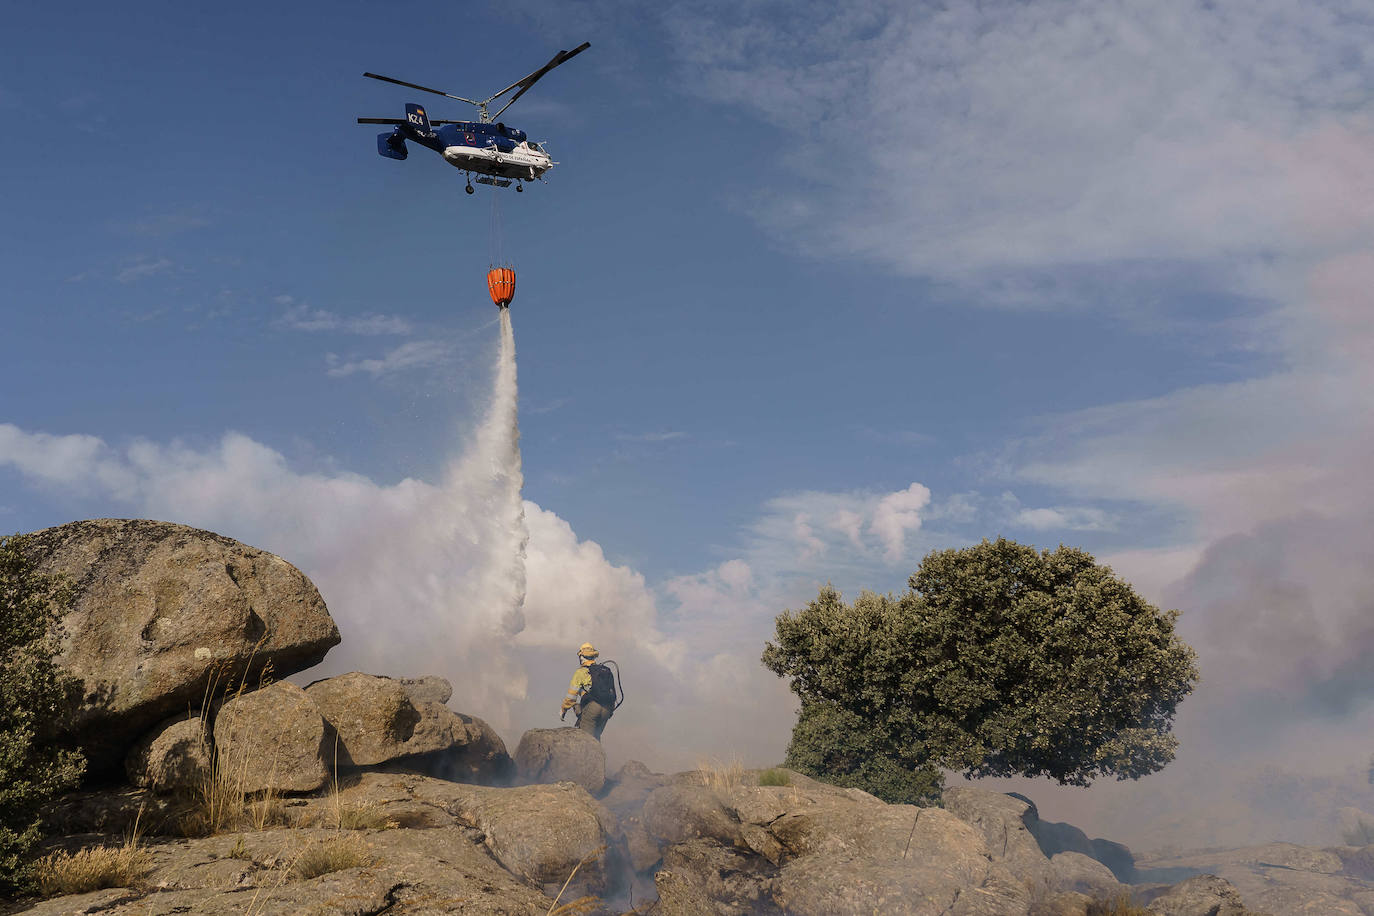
(174, 756)
(1002, 821)
(444, 869)
(547, 755)
(1276, 878)
(805, 849)
(382, 719)
(865, 857)
(164, 613)
(271, 740)
(540, 833)
(1205, 895)
(1073, 871)
(625, 794)
(809, 848)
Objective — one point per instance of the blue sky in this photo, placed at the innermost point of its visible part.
(814, 290)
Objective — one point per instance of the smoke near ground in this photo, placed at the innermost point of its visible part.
(461, 578)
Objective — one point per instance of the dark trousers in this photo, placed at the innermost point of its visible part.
(592, 717)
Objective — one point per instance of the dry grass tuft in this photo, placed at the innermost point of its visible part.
(91, 869)
(576, 907)
(717, 775)
(222, 803)
(581, 904)
(331, 855)
(369, 816)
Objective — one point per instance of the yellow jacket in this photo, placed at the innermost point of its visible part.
(581, 683)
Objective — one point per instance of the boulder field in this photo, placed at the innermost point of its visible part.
(414, 808)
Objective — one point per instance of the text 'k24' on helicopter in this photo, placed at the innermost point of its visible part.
(498, 153)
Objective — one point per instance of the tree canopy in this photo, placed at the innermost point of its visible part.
(999, 660)
(34, 697)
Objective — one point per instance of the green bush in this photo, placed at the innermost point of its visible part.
(775, 777)
(35, 696)
(999, 660)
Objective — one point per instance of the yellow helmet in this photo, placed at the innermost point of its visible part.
(587, 650)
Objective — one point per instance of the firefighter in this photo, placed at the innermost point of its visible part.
(591, 693)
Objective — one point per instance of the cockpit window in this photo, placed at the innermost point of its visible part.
(534, 146)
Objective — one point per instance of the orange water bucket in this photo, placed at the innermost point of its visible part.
(501, 283)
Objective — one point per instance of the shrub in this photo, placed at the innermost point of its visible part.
(775, 777)
(36, 697)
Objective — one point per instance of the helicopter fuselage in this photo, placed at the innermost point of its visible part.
(474, 146)
(487, 146)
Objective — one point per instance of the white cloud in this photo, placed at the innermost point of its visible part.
(736, 575)
(300, 317)
(144, 267)
(854, 537)
(415, 354)
(72, 461)
(667, 436)
(895, 515)
(850, 523)
(1008, 137)
(1064, 518)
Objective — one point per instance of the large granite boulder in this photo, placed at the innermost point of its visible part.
(165, 613)
(272, 740)
(852, 857)
(547, 755)
(1002, 820)
(1082, 874)
(380, 719)
(678, 813)
(174, 756)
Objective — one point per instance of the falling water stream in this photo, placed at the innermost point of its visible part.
(494, 459)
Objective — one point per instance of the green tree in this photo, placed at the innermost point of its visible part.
(34, 698)
(999, 660)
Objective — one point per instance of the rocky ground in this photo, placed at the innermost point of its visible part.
(684, 844)
(366, 794)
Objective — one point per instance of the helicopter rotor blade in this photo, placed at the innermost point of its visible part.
(404, 121)
(527, 82)
(387, 79)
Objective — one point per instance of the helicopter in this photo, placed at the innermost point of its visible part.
(499, 154)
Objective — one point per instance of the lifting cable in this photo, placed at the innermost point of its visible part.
(497, 252)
